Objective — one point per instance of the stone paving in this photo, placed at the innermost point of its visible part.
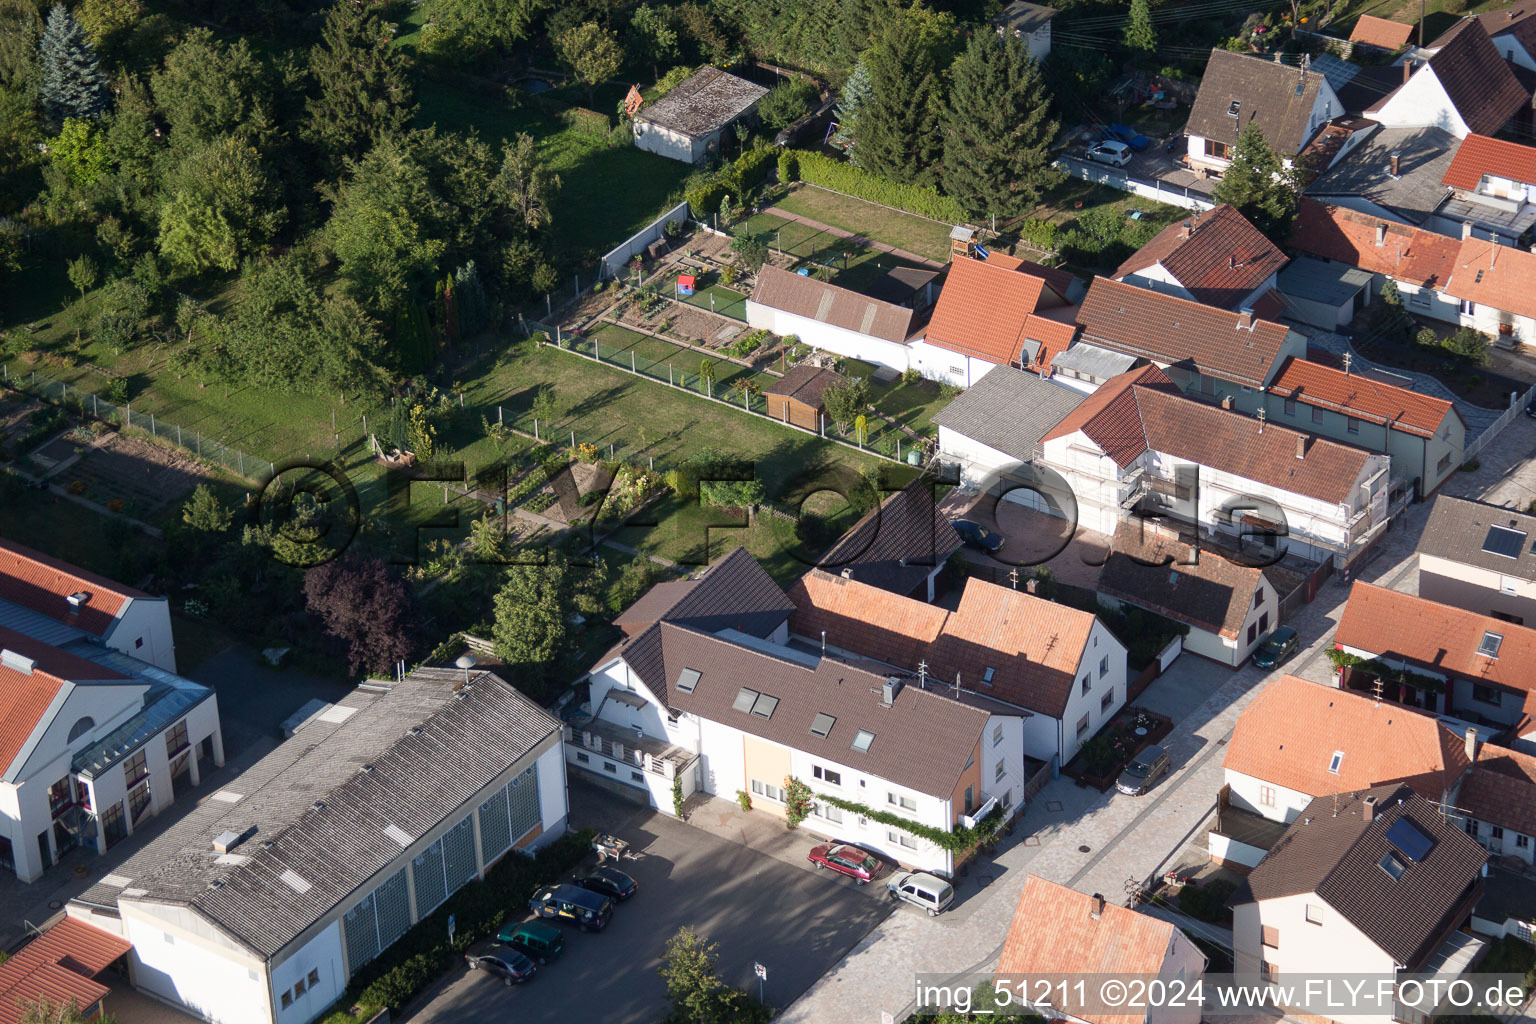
(1095, 842)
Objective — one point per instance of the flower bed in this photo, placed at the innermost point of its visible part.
(1103, 757)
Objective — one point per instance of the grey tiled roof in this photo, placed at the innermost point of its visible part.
(1457, 529)
(465, 740)
(701, 104)
(1009, 409)
(1337, 855)
(1094, 361)
(1278, 97)
(897, 544)
(1025, 17)
(1424, 155)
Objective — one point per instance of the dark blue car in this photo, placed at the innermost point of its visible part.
(977, 536)
(1130, 136)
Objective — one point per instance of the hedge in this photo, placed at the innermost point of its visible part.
(818, 169)
(753, 166)
(423, 953)
(704, 200)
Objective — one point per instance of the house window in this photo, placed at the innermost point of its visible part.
(1487, 694)
(583, 758)
(1498, 833)
(1082, 726)
(1472, 827)
(636, 777)
(1467, 307)
(970, 799)
(1270, 936)
(997, 734)
(1317, 415)
(1264, 623)
(1253, 631)
(830, 813)
(299, 988)
(138, 799)
(1314, 914)
(287, 999)
(1522, 841)
(1087, 682)
(767, 791)
(135, 769)
(314, 978)
(906, 803)
(1258, 597)
(901, 839)
(1419, 297)
(1002, 769)
(176, 739)
(1444, 464)
(1268, 971)
(1266, 796)
(1220, 150)
(60, 796)
(1107, 702)
(610, 768)
(1290, 407)
(1352, 425)
(1104, 666)
(827, 775)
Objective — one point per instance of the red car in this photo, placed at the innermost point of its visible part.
(848, 860)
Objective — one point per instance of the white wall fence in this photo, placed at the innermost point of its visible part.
(1102, 174)
(613, 261)
(1517, 404)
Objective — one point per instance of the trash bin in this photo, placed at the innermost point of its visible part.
(914, 457)
(501, 507)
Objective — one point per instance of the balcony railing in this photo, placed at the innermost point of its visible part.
(638, 751)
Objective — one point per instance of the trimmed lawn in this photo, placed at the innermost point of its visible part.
(652, 355)
(607, 192)
(728, 301)
(902, 230)
(911, 405)
(852, 265)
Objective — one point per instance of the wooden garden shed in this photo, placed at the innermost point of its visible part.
(796, 397)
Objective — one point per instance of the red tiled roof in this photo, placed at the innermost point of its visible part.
(1502, 19)
(59, 966)
(1407, 254)
(983, 306)
(1218, 256)
(1479, 155)
(1155, 571)
(1060, 281)
(1109, 415)
(26, 696)
(1054, 336)
(1031, 645)
(1501, 276)
(1269, 305)
(1436, 637)
(34, 580)
(1171, 330)
(1055, 932)
(1362, 397)
(1291, 731)
(1381, 32)
(1501, 789)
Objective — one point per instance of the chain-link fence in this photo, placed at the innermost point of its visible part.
(91, 404)
(728, 383)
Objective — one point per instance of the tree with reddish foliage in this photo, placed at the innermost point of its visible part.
(366, 607)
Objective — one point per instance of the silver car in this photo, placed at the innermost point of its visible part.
(921, 889)
(1143, 771)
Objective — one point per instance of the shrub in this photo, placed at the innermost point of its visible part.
(750, 170)
(744, 799)
(1469, 344)
(818, 169)
(789, 166)
(787, 103)
(728, 274)
(732, 493)
(672, 79)
(1041, 234)
(704, 199)
(587, 122)
(910, 376)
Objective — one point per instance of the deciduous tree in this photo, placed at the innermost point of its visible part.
(530, 627)
(72, 83)
(689, 967)
(83, 273)
(220, 206)
(591, 52)
(524, 185)
(383, 227)
(998, 129)
(654, 36)
(368, 609)
(1140, 36)
(465, 29)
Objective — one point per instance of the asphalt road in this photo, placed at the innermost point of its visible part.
(795, 921)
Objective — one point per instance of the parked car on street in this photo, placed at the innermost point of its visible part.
(1144, 771)
(507, 964)
(857, 864)
(1276, 647)
(977, 536)
(610, 882)
(589, 910)
(537, 941)
(1117, 154)
(920, 889)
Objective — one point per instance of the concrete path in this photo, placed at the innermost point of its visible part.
(1096, 842)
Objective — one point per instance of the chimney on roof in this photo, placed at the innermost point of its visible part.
(1096, 906)
(1395, 163)
(19, 662)
(1471, 743)
(1186, 229)
(1301, 446)
(1466, 229)
(1245, 317)
(1381, 234)
(1030, 585)
(847, 574)
(1368, 808)
(889, 689)
(1407, 70)
(1226, 401)
(77, 601)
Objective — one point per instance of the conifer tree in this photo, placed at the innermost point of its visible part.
(365, 86)
(855, 92)
(898, 131)
(1140, 35)
(1258, 184)
(998, 129)
(72, 83)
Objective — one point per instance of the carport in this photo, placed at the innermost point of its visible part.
(1322, 293)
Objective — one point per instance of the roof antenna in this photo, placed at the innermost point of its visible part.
(1335, 805)
(1349, 357)
(922, 674)
(1261, 415)
(957, 684)
(823, 643)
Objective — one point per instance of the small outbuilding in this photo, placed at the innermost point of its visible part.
(797, 397)
(686, 123)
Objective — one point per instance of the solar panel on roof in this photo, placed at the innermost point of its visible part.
(1410, 842)
(1501, 540)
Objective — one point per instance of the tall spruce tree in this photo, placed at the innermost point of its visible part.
(855, 92)
(365, 85)
(72, 83)
(1258, 184)
(1140, 36)
(997, 129)
(898, 133)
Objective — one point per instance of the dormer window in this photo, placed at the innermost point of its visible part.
(1489, 648)
(1233, 109)
(1338, 760)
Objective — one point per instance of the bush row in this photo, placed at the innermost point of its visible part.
(421, 955)
(818, 169)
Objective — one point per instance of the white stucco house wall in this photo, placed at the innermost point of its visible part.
(686, 124)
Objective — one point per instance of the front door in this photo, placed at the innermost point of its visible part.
(42, 849)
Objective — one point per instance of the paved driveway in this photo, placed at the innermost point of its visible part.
(795, 921)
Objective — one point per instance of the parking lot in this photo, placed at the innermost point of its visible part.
(795, 921)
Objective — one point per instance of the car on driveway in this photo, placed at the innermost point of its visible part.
(537, 941)
(504, 962)
(1276, 647)
(859, 865)
(610, 882)
(589, 910)
(977, 536)
(1116, 154)
(1130, 136)
(921, 889)
(1144, 771)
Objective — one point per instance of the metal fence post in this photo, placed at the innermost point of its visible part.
(241, 456)
(178, 434)
(128, 410)
(93, 404)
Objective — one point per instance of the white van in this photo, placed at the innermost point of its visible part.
(930, 892)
